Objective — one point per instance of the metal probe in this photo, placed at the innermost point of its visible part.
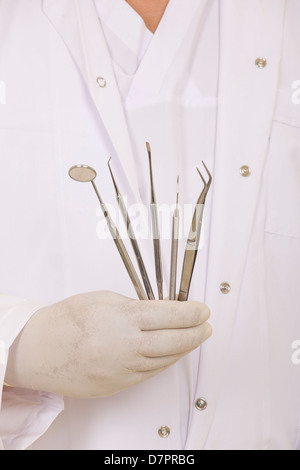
(155, 231)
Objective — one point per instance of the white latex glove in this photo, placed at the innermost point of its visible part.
(97, 344)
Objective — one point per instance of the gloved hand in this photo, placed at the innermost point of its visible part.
(97, 344)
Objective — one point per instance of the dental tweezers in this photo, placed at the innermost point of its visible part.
(192, 244)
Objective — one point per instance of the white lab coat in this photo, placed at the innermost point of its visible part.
(54, 115)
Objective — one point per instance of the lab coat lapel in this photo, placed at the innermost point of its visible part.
(247, 96)
(77, 23)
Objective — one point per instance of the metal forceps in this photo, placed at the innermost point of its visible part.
(84, 174)
(192, 244)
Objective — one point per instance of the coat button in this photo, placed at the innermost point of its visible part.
(245, 171)
(164, 431)
(225, 288)
(101, 82)
(201, 404)
(261, 62)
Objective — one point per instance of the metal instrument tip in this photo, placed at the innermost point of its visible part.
(148, 147)
(113, 178)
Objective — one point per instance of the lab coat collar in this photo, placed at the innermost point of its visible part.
(77, 23)
(165, 44)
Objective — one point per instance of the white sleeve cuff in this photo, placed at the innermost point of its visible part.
(24, 414)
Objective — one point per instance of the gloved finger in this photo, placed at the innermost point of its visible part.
(148, 364)
(160, 315)
(172, 342)
(132, 378)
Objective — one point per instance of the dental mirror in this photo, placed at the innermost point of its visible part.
(86, 174)
(82, 173)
